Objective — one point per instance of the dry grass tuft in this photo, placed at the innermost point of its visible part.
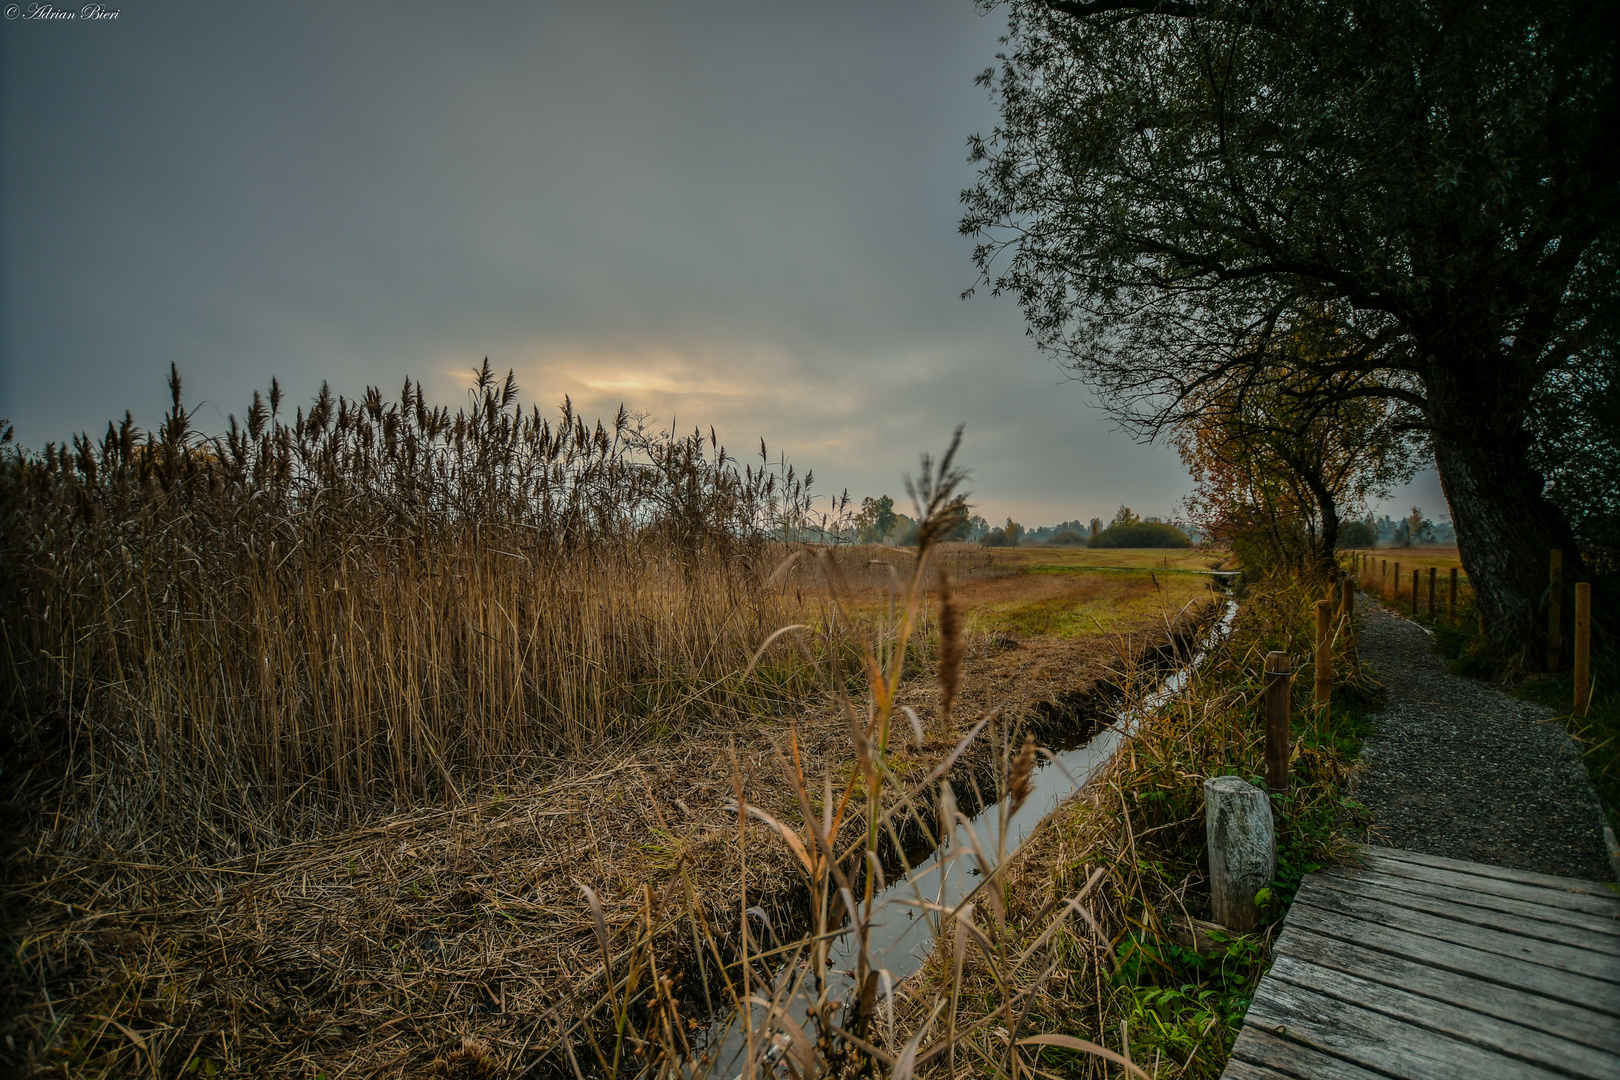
(469, 1061)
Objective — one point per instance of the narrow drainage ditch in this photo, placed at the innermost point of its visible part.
(900, 937)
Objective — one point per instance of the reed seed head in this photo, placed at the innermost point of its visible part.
(1018, 786)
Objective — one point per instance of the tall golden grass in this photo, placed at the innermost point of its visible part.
(377, 602)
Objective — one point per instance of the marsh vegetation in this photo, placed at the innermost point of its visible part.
(321, 724)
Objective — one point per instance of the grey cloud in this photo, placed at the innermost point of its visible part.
(756, 203)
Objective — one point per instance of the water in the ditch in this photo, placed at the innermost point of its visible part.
(901, 937)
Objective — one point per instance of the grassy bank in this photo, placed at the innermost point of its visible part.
(1136, 971)
(1072, 593)
(377, 948)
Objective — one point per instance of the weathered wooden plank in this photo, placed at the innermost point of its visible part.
(1548, 954)
(1502, 873)
(1535, 894)
(1594, 994)
(1575, 1022)
(1260, 1055)
(1450, 907)
(1507, 1038)
(1377, 880)
(1376, 1041)
(1237, 1069)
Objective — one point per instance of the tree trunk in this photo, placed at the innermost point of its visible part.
(1505, 527)
(1328, 539)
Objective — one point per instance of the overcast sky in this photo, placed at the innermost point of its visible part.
(731, 214)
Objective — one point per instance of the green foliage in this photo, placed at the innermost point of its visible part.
(1008, 535)
(1358, 534)
(1275, 471)
(1129, 531)
(967, 525)
(1180, 1020)
(876, 519)
(1142, 534)
(1575, 422)
(1068, 537)
(1416, 529)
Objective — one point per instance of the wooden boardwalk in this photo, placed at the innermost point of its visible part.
(1418, 966)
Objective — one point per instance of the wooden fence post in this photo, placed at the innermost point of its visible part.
(1242, 845)
(1453, 594)
(1555, 610)
(1278, 681)
(1583, 647)
(1415, 576)
(1395, 582)
(1383, 575)
(1324, 653)
(1432, 573)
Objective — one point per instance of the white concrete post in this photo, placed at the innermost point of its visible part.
(1242, 849)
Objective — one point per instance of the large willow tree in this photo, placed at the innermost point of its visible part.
(1173, 185)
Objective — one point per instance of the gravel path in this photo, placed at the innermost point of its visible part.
(1459, 768)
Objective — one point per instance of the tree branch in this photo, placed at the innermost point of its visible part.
(1177, 9)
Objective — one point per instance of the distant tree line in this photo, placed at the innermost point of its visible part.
(878, 522)
(1414, 528)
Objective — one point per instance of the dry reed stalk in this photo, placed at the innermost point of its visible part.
(952, 647)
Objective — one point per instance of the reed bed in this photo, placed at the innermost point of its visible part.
(379, 949)
(377, 603)
(578, 919)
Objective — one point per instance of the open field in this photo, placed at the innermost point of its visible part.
(1389, 576)
(1075, 593)
(330, 807)
(1061, 557)
(1441, 556)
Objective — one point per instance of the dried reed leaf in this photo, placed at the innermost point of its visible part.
(792, 838)
(1069, 1042)
(753, 660)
